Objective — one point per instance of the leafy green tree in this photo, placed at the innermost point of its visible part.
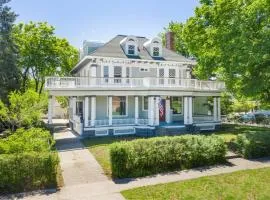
(42, 53)
(180, 45)
(9, 73)
(231, 39)
(24, 110)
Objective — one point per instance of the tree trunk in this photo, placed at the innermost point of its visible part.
(41, 87)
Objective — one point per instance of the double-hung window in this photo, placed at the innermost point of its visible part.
(117, 74)
(106, 73)
(131, 49)
(155, 51)
(119, 106)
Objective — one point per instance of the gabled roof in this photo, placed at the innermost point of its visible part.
(114, 49)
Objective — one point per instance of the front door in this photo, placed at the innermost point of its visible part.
(162, 110)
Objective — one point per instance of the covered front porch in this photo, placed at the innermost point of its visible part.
(105, 115)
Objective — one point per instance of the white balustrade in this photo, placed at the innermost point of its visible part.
(146, 82)
(118, 122)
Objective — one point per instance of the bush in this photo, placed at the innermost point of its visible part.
(27, 161)
(150, 156)
(27, 171)
(254, 144)
(31, 140)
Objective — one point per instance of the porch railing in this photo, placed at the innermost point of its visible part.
(146, 82)
(118, 122)
(203, 118)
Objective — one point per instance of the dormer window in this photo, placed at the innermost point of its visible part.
(130, 45)
(156, 51)
(154, 47)
(131, 49)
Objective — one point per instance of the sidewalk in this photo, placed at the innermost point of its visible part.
(84, 178)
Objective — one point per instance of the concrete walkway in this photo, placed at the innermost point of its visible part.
(84, 178)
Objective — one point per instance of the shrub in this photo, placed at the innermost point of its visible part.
(150, 156)
(27, 171)
(31, 140)
(254, 144)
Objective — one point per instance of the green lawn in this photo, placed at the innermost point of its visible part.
(99, 146)
(248, 184)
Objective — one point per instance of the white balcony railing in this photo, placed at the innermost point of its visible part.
(119, 122)
(147, 82)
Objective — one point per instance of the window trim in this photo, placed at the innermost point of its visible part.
(113, 116)
(182, 109)
(143, 103)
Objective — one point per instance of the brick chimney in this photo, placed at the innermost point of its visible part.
(169, 41)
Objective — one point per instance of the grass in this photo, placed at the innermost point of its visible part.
(99, 146)
(248, 184)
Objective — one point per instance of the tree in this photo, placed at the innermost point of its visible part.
(9, 73)
(180, 45)
(23, 110)
(42, 53)
(231, 39)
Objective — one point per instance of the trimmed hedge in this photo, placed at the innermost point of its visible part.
(27, 171)
(254, 144)
(27, 161)
(150, 156)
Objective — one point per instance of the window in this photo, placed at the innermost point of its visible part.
(106, 73)
(155, 51)
(127, 72)
(117, 74)
(79, 108)
(131, 49)
(145, 103)
(172, 73)
(176, 105)
(119, 106)
(144, 69)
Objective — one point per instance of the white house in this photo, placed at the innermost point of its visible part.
(135, 85)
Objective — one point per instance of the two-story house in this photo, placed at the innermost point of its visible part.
(135, 85)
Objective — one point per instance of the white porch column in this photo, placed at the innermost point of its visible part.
(156, 108)
(50, 109)
(86, 111)
(110, 110)
(190, 110)
(188, 119)
(93, 110)
(218, 109)
(186, 110)
(136, 109)
(215, 109)
(73, 107)
(150, 110)
(168, 111)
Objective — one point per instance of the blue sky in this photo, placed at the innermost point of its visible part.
(77, 20)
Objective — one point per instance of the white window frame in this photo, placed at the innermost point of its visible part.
(126, 115)
(143, 103)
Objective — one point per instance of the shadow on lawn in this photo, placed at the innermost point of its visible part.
(197, 169)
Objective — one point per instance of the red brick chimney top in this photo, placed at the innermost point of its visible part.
(169, 41)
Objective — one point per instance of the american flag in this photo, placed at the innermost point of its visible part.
(161, 108)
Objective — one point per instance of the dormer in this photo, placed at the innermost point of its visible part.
(130, 45)
(154, 47)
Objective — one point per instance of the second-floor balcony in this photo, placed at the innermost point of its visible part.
(144, 83)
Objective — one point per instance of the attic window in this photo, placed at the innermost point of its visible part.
(131, 49)
(156, 42)
(156, 51)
